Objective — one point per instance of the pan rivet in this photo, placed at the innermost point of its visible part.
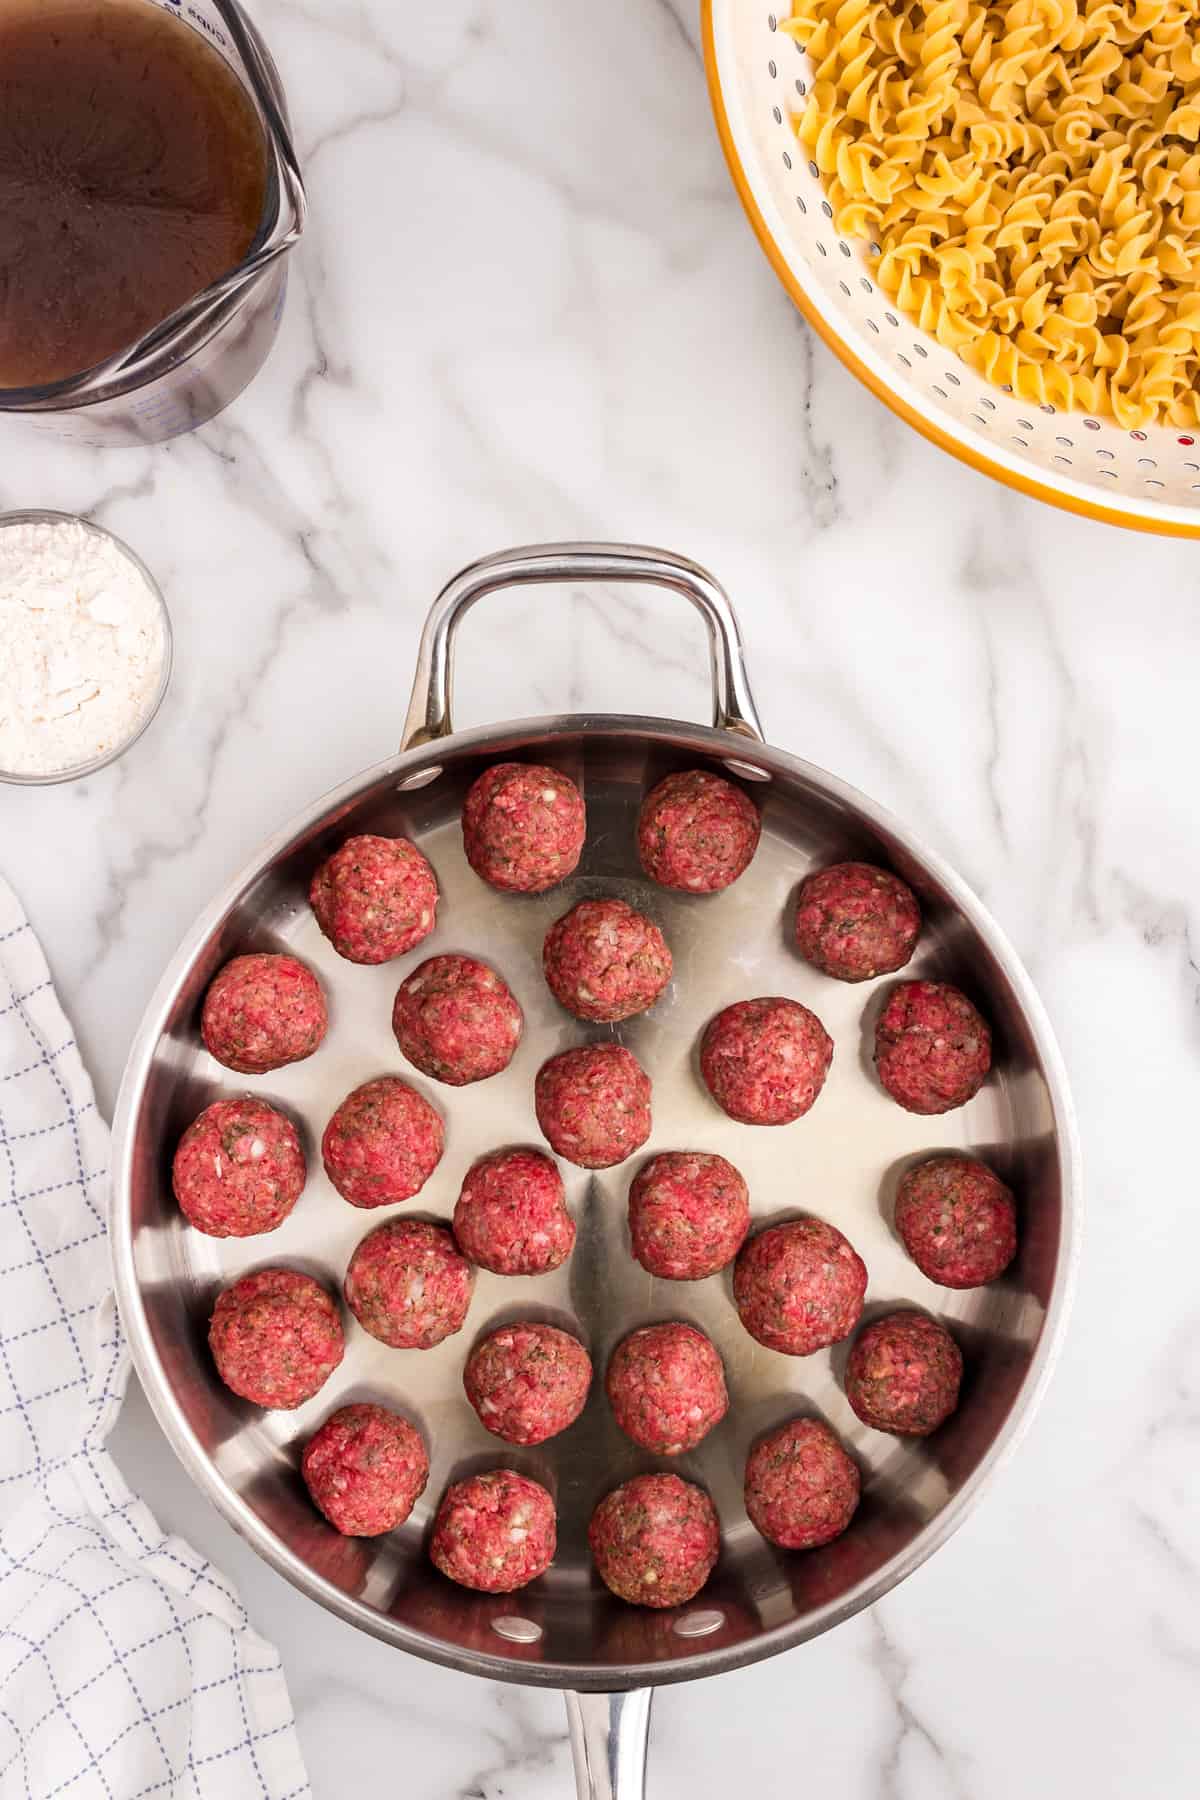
(748, 771)
(422, 778)
(517, 1631)
(698, 1624)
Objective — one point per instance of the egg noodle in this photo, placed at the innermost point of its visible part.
(1029, 178)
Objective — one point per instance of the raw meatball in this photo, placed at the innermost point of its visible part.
(408, 1285)
(276, 1337)
(605, 962)
(855, 921)
(528, 1382)
(375, 898)
(932, 1049)
(654, 1541)
(523, 827)
(593, 1104)
(957, 1220)
(263, 1012)
(239, 1169)
(697, 832)
(666, 1386)
(801, 1487)
(383, 1143)
(765, 1061)
(689, 1212)
(365, 1468)
(903, 1374)
(799, 1286)
(495, 1532)
(511, 1216)
(455, 1020)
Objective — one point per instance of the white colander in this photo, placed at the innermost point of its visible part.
(757, 77)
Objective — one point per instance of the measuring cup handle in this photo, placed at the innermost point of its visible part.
(429, 712)
(609, 1738)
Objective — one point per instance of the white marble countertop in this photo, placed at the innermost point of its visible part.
(529, 307)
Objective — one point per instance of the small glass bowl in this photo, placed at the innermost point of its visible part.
(77, 771)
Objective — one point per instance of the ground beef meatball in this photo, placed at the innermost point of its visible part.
(697, 832)
(605, 962)
(239, 1169)
(932, 1049)
(365, 1468)
(408, 1284)
(801, 1487)
(903, 1374)
(511, 1216)
(593, 1104)
(654, 1541)
(383, 1143)
(495, 1532)
(855, 921)
(957, 1221)
(263, 1012)
(276, 1337)
(523, 827)
(666, 1386)
(375, 898)
(765, 1061)
(455, 1020)
(799, 1286)
(689, 1212)
(528, 1382)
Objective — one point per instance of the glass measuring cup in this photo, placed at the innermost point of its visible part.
(192, 364)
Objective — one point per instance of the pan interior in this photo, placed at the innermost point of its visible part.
(841, 1162)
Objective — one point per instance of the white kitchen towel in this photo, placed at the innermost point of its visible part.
(127, 1665)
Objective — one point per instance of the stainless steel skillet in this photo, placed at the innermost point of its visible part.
(841, 1162)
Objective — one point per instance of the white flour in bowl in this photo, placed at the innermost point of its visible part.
(82, 644)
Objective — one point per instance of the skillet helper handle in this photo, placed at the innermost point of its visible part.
(429, 713)
(609, 1733)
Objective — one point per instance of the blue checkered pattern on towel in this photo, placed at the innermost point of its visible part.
(127, 1665)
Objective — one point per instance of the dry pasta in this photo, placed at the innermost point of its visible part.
(1030, 176)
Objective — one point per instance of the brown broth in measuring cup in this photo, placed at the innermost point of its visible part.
(133, 174)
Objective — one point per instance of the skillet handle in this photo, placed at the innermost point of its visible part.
(429, 712)
(608, 1743)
